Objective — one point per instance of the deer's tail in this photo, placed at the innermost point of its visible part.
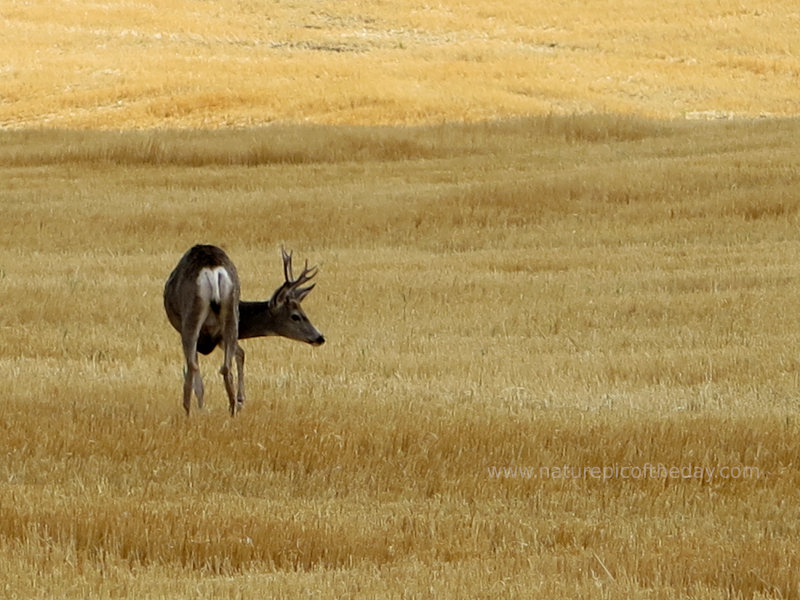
(215, 285)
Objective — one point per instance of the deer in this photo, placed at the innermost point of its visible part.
(201, 299)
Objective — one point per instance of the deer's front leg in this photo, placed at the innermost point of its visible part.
(240, 373)
(227, 376)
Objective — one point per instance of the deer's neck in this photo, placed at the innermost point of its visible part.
(255, 319)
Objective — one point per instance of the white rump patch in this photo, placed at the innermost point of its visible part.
(214, 284)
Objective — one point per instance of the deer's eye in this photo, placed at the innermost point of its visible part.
(295, 317)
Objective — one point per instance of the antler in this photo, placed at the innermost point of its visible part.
(292, 286)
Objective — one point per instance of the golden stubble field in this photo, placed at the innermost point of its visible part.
(183, 63)
(530, 325)
(562, 356)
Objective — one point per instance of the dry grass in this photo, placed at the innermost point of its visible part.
(583, 291)
(551, 293)
(124, 65)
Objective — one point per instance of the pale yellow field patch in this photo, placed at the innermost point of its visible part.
(124, 65)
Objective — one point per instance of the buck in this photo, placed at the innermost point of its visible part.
(201, 298)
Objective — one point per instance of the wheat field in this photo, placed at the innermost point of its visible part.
(506, 305)
(239, 63)
(562, 356)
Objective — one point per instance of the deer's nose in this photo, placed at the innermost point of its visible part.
(319, 341)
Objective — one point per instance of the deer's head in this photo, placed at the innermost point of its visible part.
(289, 320)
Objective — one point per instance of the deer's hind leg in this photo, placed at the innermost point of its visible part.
(192, 380)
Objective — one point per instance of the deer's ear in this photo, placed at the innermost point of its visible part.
(280, 296)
